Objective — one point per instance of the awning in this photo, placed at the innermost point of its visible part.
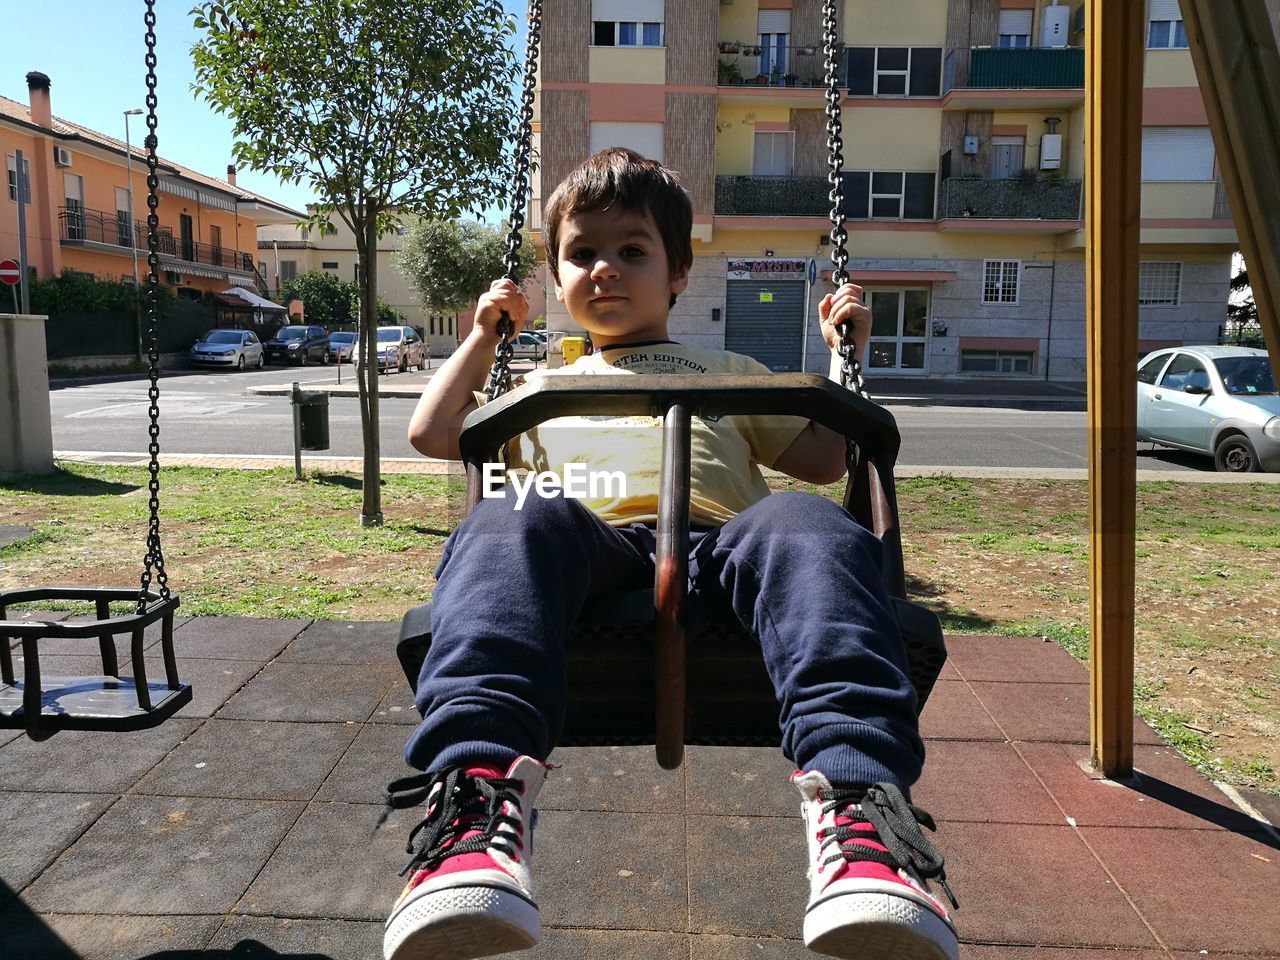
(239, 296)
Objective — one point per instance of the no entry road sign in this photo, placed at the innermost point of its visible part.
(10, 272)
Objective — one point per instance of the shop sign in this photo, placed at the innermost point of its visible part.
(767, 267)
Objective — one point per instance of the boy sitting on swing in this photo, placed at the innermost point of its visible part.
(800, 574)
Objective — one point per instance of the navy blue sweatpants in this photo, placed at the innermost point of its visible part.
(799, 572)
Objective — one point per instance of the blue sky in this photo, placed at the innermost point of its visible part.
(92, 51)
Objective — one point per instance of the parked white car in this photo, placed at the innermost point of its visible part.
(228, 348)
(1219, 401)
(398, 348)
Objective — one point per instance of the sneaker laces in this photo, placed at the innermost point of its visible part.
(897, 824)
(464, 817)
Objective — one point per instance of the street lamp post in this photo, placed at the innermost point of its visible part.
(133, 235)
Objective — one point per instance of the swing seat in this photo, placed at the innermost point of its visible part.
(669, 666)
(43, 705)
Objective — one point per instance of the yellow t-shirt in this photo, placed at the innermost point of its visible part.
(726, 453)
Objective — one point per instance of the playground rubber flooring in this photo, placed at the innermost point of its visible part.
(248, 826)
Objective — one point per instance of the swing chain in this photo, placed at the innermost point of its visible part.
(154, 554)
(850, 368)
(500, 375)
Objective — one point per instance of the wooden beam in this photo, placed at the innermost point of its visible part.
(1114, 50)
(1233, 45)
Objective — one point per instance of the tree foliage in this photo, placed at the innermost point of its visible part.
(450, 264)
(76, 293)
(381, 107)
(326, 300)
(1241, 308)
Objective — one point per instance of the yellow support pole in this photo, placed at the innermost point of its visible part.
(1233, 45)
(1114, 49)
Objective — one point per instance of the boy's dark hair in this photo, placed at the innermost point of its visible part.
(623, 178)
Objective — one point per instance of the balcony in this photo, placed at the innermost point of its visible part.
(772, 196)
(1017, 199)
(100, 229)
(752, 65)
(1039, 68)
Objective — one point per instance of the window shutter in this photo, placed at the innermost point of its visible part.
(1177, 153)
(627, 11)
(1165, 10)
(774, 21)
(1018, 21)
(926, 72)
(918, 197)
(862, 71)
(645, 139)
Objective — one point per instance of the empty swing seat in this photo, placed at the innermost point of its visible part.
(42, 705)
(667, 666)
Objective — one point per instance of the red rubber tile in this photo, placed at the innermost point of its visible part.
(954, 713)
(1166, 791)
(1021, 659)
(1031, 884)
(1200, 889)
(983, 782)
(1052, 712)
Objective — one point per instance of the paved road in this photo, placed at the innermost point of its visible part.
(211, 413)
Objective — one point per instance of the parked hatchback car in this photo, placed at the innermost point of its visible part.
(228, 348)
(298, 344)
(529, 346)
(398, 348)
(341, 343)
(1219, 401)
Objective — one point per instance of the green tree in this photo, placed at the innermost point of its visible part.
(326, 300)
(450, 264)
(1242, 310)
(379, 106)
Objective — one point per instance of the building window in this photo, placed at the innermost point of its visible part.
(645, 139)
(431, 325)
(329, 265)
(899, 329)
(288, 270)
(1000, 281)
(895, 71)
(889, 195)
(1159, 283)
(73, 192)
(774, 151)
(626, 23)
(1165, 30)
(1172, 154)
(13, 179)
(1014, 31)
(995, 361)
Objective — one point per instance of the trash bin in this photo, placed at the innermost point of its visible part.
(311, 407)
(572, 348)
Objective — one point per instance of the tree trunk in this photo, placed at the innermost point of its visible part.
(367, 251)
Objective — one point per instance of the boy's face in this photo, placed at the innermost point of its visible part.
(614, 277)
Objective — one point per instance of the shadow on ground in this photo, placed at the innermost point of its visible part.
(63, 483)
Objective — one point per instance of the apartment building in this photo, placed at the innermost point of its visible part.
(964, 126)
(78, 192)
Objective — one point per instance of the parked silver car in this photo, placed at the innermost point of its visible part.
(341, 343)
(228, 348)
(397, 348)
(1219, 401)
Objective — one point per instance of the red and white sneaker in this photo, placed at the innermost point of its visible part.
(468, 893)
(868, 863)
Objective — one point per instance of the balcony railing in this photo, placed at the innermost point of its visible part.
(772, 196)
(752, 64)
(1017, 199)
(1027, 67)
(96, 226)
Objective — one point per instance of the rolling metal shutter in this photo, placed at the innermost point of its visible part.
(1015, 22)
(771, 332)
(627, 11)
(1165, 10)
(1177, 153)
(774, 21)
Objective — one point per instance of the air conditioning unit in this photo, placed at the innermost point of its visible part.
(1051, 151)
(62, 156)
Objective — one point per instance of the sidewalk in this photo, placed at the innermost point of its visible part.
(888, 391)
(247, 826)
